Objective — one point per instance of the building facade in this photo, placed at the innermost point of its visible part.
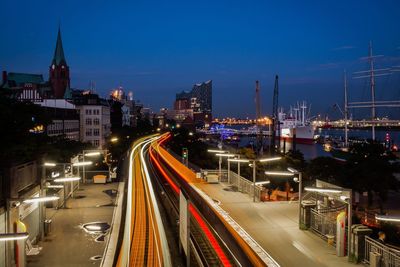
(65, 118)
(196, 103)
(95, 124)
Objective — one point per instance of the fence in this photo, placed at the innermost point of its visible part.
(243, 185)
(389, 257)
(324, 224)
(323, 221)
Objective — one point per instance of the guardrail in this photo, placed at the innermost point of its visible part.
(243, 185)
(389, 257)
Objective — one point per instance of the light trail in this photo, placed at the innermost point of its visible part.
(203, 225)
(214, 243)
(144, 240)
(159, 224)
(189, 176)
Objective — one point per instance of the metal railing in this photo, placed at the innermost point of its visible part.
(324, 224)
(389, 257)
(243, 185)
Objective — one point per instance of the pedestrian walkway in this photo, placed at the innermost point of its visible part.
(68, 244)
(274, 225)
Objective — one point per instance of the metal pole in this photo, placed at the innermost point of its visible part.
(372, 76)
(65, 191)
(238, 180)
(254, 181)
(346, 138)
(349, 215)
(72, 189)
(83, 168)
(42, 210)
(300, 195)
(219, 172)
(188, 232)
(229, 172)
(79, 175)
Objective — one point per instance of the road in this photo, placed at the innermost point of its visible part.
(144, 241)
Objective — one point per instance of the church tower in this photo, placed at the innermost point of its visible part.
(59, 70)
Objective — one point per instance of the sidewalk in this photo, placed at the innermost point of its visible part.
(68, 244)
(274, 225)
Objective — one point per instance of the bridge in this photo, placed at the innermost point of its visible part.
(230, 131)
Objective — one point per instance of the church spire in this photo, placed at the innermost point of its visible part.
(59, 52)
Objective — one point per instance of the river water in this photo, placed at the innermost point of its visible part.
(317, 150)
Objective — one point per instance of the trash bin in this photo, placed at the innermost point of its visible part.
(374, 259)
(331, 239)
(47, 227)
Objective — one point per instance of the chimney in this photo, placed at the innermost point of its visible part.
(4, 76)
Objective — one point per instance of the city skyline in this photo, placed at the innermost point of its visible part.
(231, 44)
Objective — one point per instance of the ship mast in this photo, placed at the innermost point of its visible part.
(346, 138)
(372, 73)
(372, 80)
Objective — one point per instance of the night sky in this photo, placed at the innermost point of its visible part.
(158, 48)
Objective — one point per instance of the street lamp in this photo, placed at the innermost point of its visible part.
(13, 236)
(93, 154)
(42, 209)
(292, 172)
(229, 166)
(300, 177)
(387, 218)
(218, 152)
(40, 199)
(238, 160)
(83, 164)
(253, 164)
(64, 180)
(114, 139)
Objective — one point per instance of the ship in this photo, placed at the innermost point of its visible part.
(295, 125)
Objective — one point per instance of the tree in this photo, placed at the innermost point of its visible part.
(369, 169)
(327, 169)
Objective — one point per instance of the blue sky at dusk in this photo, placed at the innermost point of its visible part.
(158, 48)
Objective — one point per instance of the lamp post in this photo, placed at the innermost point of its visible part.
(253, 164)
(291, 172)
(42, 209)
(294, 171)
(16, 202)
(82, 164)
(64, 180)
(218, 152)
(220, 161)
(13, 236)
(238, 160)
(388, 218)
(93, 153)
